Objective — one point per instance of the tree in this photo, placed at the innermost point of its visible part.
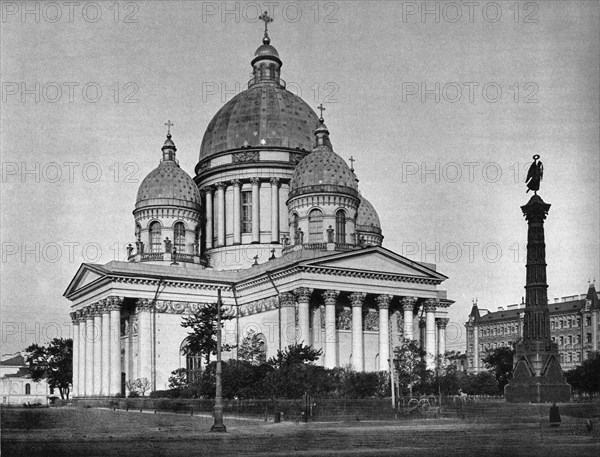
(500, 362)
(138, 387)
(585, 378)
(409, 363)
(252, 349)
(203, 338)
(295, 354)
(54, 363)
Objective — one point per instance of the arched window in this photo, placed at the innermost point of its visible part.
(295, 227)
(138, 232)
(27, 389)
(193, 363)
(179, 237)
(155, 237)
(315, 226)
(340, 227)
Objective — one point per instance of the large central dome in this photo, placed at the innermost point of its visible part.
(266, 115)
(266, 112)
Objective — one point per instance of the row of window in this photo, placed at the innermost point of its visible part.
(505, 329)
(568, 322)
(156, 240)
(570, 339)
(315, 226)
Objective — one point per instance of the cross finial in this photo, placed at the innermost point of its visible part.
(266, 19)
(321, 108)
(169, 124)
(352, 159)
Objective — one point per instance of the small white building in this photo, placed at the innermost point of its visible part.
(16, 387)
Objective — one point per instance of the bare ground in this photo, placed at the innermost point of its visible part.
(99, 432)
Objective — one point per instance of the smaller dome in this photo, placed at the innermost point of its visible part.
(266, 50)
(323, 170)
(168, 184)
(367, 219)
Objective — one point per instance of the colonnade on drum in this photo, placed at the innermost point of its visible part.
(214, 197)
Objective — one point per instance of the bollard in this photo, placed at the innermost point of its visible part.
(191, 411)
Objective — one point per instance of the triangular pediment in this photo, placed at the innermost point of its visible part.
(86, 275)
(377, 260)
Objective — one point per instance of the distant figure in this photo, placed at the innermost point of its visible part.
(129, 250)
(168, 245)
(330, 234)
(534, 175)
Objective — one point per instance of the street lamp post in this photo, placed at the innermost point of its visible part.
(218, 425)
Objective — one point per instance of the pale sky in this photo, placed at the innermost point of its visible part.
(446, 176)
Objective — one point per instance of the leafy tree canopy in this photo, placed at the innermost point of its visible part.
(202, 340)
(54, 363)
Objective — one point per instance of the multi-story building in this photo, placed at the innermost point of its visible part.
(574, 323)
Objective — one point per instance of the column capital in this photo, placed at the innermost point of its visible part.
(330, 296)
(383, 301)
(408, 302)
(303, 293)
(103, 306)
(221, 185)
(207, 190)
(430, 305)
(274, 181)
(75, 317)
(255, 181)
(95, 310)
(236, 182)
(286, 300)
(143, 304)
(114, 303)
(357, 299)
(442, 322)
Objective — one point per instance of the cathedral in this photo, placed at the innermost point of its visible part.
(275, 221)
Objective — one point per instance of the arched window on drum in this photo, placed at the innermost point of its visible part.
(155, 237)
(340, 227)
(315, 226)
(179, 237)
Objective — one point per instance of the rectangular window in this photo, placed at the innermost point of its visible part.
(246, 212)
(588, 321)
(588, 337)
(578, 340)
(570, 340)
(551, 325)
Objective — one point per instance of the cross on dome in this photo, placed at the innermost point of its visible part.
(169, 124)
(321, 108)
(352, 160)
(266, 19)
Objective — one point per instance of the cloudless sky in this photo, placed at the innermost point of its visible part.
(443, 167)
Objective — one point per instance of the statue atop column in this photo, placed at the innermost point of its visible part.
(534, 175)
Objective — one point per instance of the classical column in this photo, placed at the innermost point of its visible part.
(316, 329)
(208, 195)
(275, 210)
(422, 326)
(89, 351)
(75, 320)
(105, 384)
(221, 213)
(303, 296)
(383, 302)
(145, 338)
(287, 323)
(330, 298)
(255, 210)
(97, 349)
(357, 300)
(114, 308)
(430, 306)
(237, 212)
(408, 305)
(82, 354)
(441, 326)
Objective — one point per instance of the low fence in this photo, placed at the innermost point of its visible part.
(318, 409)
